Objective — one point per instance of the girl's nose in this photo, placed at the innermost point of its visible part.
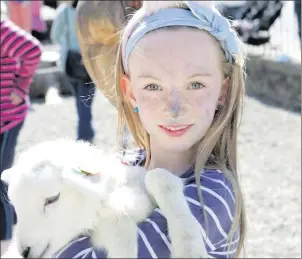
(174, 109)
(174, 104)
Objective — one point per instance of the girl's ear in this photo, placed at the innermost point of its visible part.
(224, 91)
(127, 90)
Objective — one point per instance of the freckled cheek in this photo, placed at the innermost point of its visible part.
(205, 106)
(149, 111)
(149, 102)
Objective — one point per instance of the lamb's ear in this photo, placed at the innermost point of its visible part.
(7, 174)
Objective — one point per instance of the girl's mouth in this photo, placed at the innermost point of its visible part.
(175, 130)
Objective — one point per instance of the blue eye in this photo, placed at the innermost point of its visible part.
(196, 85)
(152, 87)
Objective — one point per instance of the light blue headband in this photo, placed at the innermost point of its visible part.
(198, 17)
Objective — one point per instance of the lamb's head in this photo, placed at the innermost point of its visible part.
(50, 212)
(34, 193)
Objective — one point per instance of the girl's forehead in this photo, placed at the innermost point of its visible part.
(185, 49)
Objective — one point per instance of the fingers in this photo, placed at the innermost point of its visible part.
(15, 98)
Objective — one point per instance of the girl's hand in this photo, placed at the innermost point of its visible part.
(15, 98)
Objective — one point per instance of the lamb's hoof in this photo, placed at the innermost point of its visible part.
(159, 181)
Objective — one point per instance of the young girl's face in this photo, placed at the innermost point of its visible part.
(175, 79)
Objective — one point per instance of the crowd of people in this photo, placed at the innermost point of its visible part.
(195, 111)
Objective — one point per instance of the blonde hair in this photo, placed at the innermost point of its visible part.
(218, 148)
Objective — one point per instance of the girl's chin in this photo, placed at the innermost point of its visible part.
(176, 144)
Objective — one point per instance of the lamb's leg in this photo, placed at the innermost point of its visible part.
(118, 236)
(11, 251)
(184, 229)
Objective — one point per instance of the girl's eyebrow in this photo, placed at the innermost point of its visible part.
(148, 76)
(193, 75)
(200, 75)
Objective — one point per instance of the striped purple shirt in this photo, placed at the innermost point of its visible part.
(153, 240)
(20, 56)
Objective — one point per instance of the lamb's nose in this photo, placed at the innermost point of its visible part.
(25, 252)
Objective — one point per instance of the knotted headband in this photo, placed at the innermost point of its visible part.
(195, 16)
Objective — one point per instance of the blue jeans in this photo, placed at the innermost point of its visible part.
(8, 144)
(84, 94)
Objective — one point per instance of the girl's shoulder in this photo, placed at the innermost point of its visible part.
(208, 176)
(217, 191)
(216, 180)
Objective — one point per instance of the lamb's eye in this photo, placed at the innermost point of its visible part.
(51, 200)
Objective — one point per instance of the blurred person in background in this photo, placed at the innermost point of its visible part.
(298, 14)
(20, 56)
(63, 33)
(39, 28)
(98, 27)
(20, 13)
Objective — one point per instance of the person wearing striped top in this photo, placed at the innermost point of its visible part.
(179, 87)
(20, 56)
(153, 239)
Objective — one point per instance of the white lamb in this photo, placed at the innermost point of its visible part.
(54, 204)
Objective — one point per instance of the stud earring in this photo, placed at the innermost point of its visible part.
(135, 109)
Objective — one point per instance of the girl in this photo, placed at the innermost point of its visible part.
(180, 85)
(63, 32)
(20, 56)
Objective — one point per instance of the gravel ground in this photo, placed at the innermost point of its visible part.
(270, 165)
